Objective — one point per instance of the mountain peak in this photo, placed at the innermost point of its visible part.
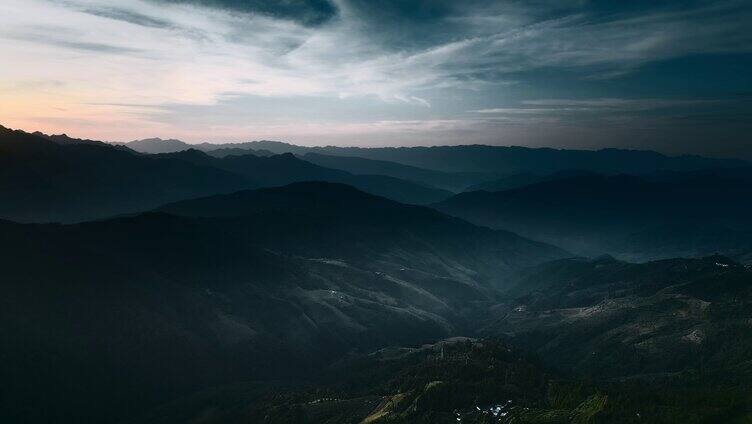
(159, 140)
(158, 145)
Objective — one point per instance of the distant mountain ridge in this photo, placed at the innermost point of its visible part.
(698, 213)
(55, 178)
(277, 170)
(455, 181)
(158, 145)
(492, 159)
(58, 178)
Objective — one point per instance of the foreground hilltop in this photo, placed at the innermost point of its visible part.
(665, 341)
(462, 380)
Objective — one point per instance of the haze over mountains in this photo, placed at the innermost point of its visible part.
(43, 180)
(637, 205)
(640, 217)
(477, 158)
(61, 179)
(632, 204)
(265, 171)
(264, 283)
(291, 284)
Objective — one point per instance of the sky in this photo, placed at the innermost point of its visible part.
(669, 76)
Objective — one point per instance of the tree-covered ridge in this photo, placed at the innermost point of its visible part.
(469, 381)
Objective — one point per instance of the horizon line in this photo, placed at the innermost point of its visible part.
(324, 146)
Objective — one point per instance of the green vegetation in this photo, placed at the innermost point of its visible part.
(477, 381)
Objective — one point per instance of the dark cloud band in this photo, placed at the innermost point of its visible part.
(307, 12)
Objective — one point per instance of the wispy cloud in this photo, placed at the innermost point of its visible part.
(128, 16)
(216, 51)
(637, 114)
(514, 111)
(616, 104)
(157, 55)
(63, 43)
(612, 109)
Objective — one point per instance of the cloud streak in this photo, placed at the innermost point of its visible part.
(287, 58)
(426, 59)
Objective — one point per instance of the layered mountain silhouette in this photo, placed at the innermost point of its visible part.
(286, 168)
(319, 213)
(260, 284)
(487, 159)
(58, 178)
(688, 214)
(454, 181)
(158, 145)
(268, 282)
(43, 179)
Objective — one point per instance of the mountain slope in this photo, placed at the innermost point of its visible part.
(68, 180)
(480, 158)
(286, 168)
(605, 318)
(597, 214)
(434, 383)
(455, 181)
(268, 284)
(58, 178)
(463, 380)
(369, 227)
(511, 182)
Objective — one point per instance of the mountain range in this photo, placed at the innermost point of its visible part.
(276, 170)
(57, 178)
(263, 284)
(479, 158)
(636, 217)
(159, 282)
(44, 179)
